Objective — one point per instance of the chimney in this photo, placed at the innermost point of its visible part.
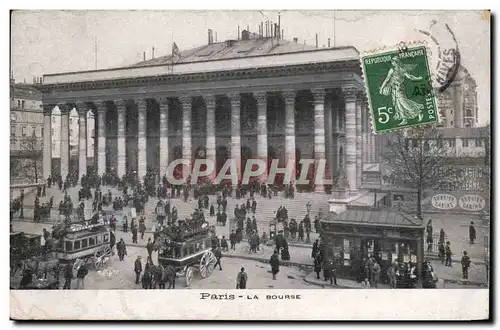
(153, 53)
(316, 40)
(328, 42)
(143, 56)
(271, 28)
(261, 29)
(34, 80)
(296, 40)
(282, 33)
(238, 32)
(279, 25)
(210, 36)
(215, 37)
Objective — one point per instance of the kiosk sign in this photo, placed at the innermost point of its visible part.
(472, 202)
(444, 201)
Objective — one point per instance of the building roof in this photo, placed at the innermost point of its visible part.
(361, 216)
(231, 49)
(25, 91)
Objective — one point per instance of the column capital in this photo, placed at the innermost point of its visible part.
(289, 96)
(47, 109)
(210, 100)
(101, 105)
(318, 95)
(261, 97)
(120, 104)
(141, 104)
(186, 100)
(350, 92)
(234, 97)
(163, 100)
(81, 108)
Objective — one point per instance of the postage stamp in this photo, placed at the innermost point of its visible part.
(399, 88)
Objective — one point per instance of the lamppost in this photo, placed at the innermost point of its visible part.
(308, 224)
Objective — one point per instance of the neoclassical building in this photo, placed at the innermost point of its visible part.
(254, 97)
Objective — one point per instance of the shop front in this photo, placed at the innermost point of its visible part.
(359, 233)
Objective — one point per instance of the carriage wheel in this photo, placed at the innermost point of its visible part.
(76, 265)
(207, 264)
(189, 276)
(101, 256)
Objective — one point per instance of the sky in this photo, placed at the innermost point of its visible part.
(45, 42)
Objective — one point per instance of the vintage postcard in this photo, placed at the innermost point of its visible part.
(250, 165)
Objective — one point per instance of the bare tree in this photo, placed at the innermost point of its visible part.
(417, 158)
(31, 148)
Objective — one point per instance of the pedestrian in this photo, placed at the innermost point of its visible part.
(465, 265)
(275, 264)
(218, 255)
(80, 276)
(442, 236)
(317, 264)
(142, 229)
(429, 236)
(122, 249)
(365, 284)
(232, 239)
(150, 248)
(68, 276)
(448, 254)
(315, 248)
(472, 232)
(241, 279)
(375, 274)
(137, 269)
(441, 251)
(134, 234)
(391, 274)
(223, 244)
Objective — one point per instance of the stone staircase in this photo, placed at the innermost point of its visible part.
(265, 213)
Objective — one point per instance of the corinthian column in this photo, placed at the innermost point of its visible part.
(261, 98)
(359, 144)
(121, 144)
(47, 140)
(210, 107)
(350, 135)
(82, 141)
(289, 97)
(163, 135)
(235, 100)
(101, 141)
(65, 109)
(186, 134)
(142, 139)
(319, 132)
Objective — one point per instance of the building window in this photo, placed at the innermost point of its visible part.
(53, 147)
(53, 132)
(13, 131)
(451, 143)
(53, 119)
(71, 132)
(451, 123)
(479, 142)
(13, 116)
(25, 130)
(18, 103)
(41, 131)
(70, 120)
(92, 134)
(451, 111)
(22, 104)
(465, 143)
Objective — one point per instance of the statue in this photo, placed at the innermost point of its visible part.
(342, 183)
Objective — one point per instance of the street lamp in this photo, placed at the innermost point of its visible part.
(308, 208)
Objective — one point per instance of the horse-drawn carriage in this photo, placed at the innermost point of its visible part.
(187, 250)
(82, 241)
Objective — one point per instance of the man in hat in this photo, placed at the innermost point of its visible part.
(465, 265)
(472, 232)
(447, 252)
(150, 247)
(137, 269)
(121, 249)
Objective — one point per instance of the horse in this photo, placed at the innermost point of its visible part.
(161, 275)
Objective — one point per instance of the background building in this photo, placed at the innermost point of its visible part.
(458, 103)
(26, 132)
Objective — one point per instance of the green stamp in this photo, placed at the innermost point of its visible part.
(399, 88)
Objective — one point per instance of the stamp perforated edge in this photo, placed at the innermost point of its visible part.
(397, 47)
